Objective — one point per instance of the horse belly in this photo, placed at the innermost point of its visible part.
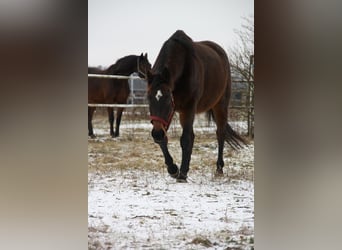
(214, 89)
(215, 78)
(100, 91)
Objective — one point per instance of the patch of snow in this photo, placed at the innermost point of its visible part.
(142, 207)
(149, 208)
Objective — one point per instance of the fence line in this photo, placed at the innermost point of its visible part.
(139, 105)
(142, 106)
(249, 107)
(118, 105)
(135, 105)
(113, 76)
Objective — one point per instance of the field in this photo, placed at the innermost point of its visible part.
(134, 204)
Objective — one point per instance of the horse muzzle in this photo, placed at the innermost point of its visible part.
(160, 127)
(158, 136)
(158, 132)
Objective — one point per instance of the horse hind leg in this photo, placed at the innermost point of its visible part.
(220, 162)
(90, 125)
(224, 133)
(118, 121)
(111, 120)
(220, 118)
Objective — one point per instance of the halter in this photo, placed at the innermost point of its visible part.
(165, 123)
(138, 68)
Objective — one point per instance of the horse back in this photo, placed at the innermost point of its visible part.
(214, 59)
(215, 76)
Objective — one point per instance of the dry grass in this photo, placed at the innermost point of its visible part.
(135, 149)
(106, 154)
(133, 163)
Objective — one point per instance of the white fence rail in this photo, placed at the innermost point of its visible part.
(132, 94)
(249, 107)
(118, 105)
(113, 76)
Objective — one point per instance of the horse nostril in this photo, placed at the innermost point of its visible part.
(158, 135)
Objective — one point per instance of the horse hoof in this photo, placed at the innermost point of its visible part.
(219, 173)
(92, 136)
(175, 175)
(173, 171)
(181, 180)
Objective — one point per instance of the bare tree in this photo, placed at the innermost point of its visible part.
(241, 57)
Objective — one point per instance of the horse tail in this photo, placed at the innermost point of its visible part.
(210, 116)
(234, 139)
(231, 137)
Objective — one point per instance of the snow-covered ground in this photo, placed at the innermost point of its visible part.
(134, 204)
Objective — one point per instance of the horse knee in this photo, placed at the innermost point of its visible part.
(187, 140)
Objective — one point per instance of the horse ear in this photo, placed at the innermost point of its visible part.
(145, 55)
(141, 55)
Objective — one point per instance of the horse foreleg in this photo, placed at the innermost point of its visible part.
(118, 121)
(90, 118)
(187, 142)
(111, 120)
(172, 168)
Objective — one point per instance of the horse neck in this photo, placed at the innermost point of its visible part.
(123, 67)
(175, 61)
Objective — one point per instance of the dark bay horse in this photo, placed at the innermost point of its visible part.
(114, 91)
(190, 77)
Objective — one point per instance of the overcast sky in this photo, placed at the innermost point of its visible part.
(117, 28)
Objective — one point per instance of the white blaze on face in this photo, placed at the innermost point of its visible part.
(158, 95)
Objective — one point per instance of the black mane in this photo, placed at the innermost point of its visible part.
(122, 65)
(182, 38)
(179, 37)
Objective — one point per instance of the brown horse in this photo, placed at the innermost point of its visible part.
(190, 77)
(114, 91)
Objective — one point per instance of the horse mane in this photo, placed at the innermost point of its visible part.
(182, 38)
(122, 64)
(179, 37)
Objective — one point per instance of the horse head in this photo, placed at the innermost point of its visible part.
(161, 104)
(143, 65)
